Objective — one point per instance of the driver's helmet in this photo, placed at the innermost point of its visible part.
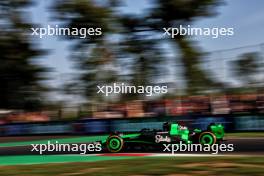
(166, 126)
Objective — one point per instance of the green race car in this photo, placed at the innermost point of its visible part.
(172, 133)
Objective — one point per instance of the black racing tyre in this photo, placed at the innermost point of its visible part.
(114, 143)
(207, 137)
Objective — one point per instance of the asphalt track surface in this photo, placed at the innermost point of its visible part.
(16, 146)
(17, 151)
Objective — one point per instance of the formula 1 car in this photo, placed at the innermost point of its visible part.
(172, 133)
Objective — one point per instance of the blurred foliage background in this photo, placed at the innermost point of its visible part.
(130, 50)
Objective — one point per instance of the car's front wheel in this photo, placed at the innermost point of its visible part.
(114, 143)
(207, 138)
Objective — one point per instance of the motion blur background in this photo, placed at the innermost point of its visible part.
(48, 85)
(55, 78)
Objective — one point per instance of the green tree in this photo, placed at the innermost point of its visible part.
(146, 56)
(172, 13)
(94, 55)
(19, 77)
(247, 67)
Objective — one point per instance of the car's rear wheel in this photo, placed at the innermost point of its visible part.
(207, 138)
(114, 143)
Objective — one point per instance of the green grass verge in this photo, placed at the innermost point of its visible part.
(146, 166)
(45, 159)
(84, 139)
